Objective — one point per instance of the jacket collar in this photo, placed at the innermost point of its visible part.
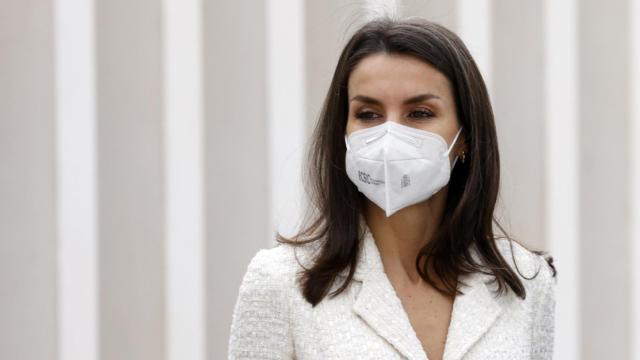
(379, 306)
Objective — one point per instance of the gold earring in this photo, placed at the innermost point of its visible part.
(462, 155)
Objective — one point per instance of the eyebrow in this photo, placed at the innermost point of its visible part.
(411, 100)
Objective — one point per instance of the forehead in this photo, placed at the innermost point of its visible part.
(396, 75)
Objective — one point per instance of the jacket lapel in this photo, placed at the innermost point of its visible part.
(379, 306)
(472, 316)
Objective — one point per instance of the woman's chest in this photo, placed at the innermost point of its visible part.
(333, 330)
(346, 328)
(429, 313)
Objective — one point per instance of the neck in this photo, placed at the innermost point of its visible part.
(400, 236)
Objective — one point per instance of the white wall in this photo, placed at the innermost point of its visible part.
(28, 244)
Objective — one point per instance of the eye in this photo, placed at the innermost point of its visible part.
(422, 113)
(367, 115)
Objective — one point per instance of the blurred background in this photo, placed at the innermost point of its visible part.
(149, 148)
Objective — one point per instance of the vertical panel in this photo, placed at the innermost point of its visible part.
(28, 297)
(634, 190)
(236, 147)
(474, 26)
(184, 176)
(440, 11)
(131, 185)
(561, 132)
(75, 128)
(604, 178)
(328, 26)
(286, 104)
(518, 108)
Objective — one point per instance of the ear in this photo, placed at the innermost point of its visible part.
(462, 145)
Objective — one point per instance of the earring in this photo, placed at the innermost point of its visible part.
(462, 156)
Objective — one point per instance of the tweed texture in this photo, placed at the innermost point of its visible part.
(271, 319)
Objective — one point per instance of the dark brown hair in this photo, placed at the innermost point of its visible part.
(336, 204)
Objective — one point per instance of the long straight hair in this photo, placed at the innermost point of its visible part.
(336, 204)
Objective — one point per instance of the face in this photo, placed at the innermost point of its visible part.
(404, 89)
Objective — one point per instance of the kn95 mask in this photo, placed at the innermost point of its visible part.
(396, 166)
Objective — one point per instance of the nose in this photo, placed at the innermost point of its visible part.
(399, 120)
(394, 118)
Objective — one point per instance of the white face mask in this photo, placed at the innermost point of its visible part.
(396, 166)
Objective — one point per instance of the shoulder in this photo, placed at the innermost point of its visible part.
(527, 264)
(542, 289)
(262, 308)
(273, 260)
(269, 267)
(274, 269)
(280, 261)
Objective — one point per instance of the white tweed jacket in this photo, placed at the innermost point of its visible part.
(272, 320)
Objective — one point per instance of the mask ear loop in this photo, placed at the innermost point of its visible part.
(346, 142)
(451, 147)
(454, 161)
(453, 143)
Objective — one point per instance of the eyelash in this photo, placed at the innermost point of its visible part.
(361, 116)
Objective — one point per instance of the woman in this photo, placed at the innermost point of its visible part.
(400, 259)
